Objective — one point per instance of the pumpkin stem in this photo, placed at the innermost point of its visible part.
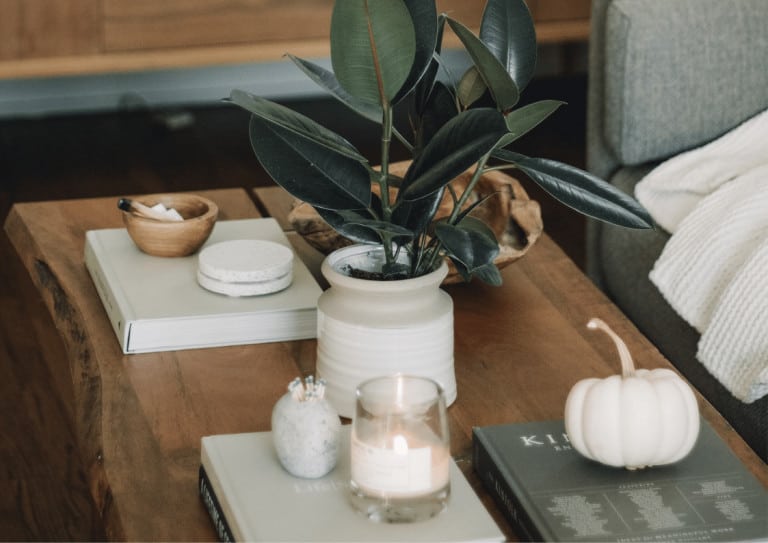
(627, 365)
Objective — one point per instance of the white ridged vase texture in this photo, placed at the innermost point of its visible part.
(368, 328)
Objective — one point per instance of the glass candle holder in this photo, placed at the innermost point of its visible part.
(400, 449)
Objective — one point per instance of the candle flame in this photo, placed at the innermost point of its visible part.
(400, 445)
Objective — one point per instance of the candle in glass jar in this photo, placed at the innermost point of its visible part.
(400, 454)
(405, 467)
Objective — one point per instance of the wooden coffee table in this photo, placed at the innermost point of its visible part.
(519, 348)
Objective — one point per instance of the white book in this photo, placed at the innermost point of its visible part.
(156, 304)
(250, 497)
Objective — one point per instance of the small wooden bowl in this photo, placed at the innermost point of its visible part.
(173, 238)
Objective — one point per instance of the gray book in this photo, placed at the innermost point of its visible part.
(155, 303)
(549, 492)
(250, 497)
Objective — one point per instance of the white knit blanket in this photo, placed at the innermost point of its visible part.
(714, 269)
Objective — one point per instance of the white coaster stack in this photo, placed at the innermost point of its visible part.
(245, 267)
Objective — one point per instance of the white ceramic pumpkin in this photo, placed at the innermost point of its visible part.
(638, 419)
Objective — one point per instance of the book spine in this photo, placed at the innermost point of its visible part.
(108, 297)
(211, 504)
(498, 486)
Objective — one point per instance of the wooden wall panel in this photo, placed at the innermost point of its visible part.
(149, 24)
(69, 37)
(54, 28)
(467, 12)
(10, 19)
(559, 10)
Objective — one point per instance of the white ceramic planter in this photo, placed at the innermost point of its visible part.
(368, 328)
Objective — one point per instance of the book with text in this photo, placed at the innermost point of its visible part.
(155, 304)
(250, 497)
(548, 491)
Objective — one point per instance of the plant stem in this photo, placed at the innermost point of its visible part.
(407, 144)
(511, 166)
(470, 187)
(386, 209)
(433, 252)
(434, 243)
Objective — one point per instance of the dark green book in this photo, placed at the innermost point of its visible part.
(549, 492)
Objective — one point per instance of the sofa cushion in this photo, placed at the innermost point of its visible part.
(657, 57)
(626, 257)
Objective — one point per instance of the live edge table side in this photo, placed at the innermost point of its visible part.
(518, 349)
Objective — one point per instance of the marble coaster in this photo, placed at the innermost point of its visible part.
(254, 288)
(245, 267)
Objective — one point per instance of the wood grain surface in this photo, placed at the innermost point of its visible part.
(38, 444)
(139, 418)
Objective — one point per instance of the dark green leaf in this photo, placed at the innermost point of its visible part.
(338, 222)
(424, 17)
(472, 247)
(383, 227)
(581, 190)
(521, 121)
(440, 108)
(373, 45)
(490, 274)
(308, 170)
(461, 142)
(475, 205)
(328, 81)
(462, 269)
(298, 124)
(417, 215)
(423, 88)
(474, 224)
(498, 81)
(471, 87)
(508, 31)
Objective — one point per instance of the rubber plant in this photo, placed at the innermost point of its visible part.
(385, 55)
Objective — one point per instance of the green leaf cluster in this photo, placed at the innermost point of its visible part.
(386, 55)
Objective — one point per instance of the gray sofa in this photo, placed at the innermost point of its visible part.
(666, 76)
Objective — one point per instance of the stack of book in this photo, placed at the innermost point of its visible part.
(156, 303)
(250, 497)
